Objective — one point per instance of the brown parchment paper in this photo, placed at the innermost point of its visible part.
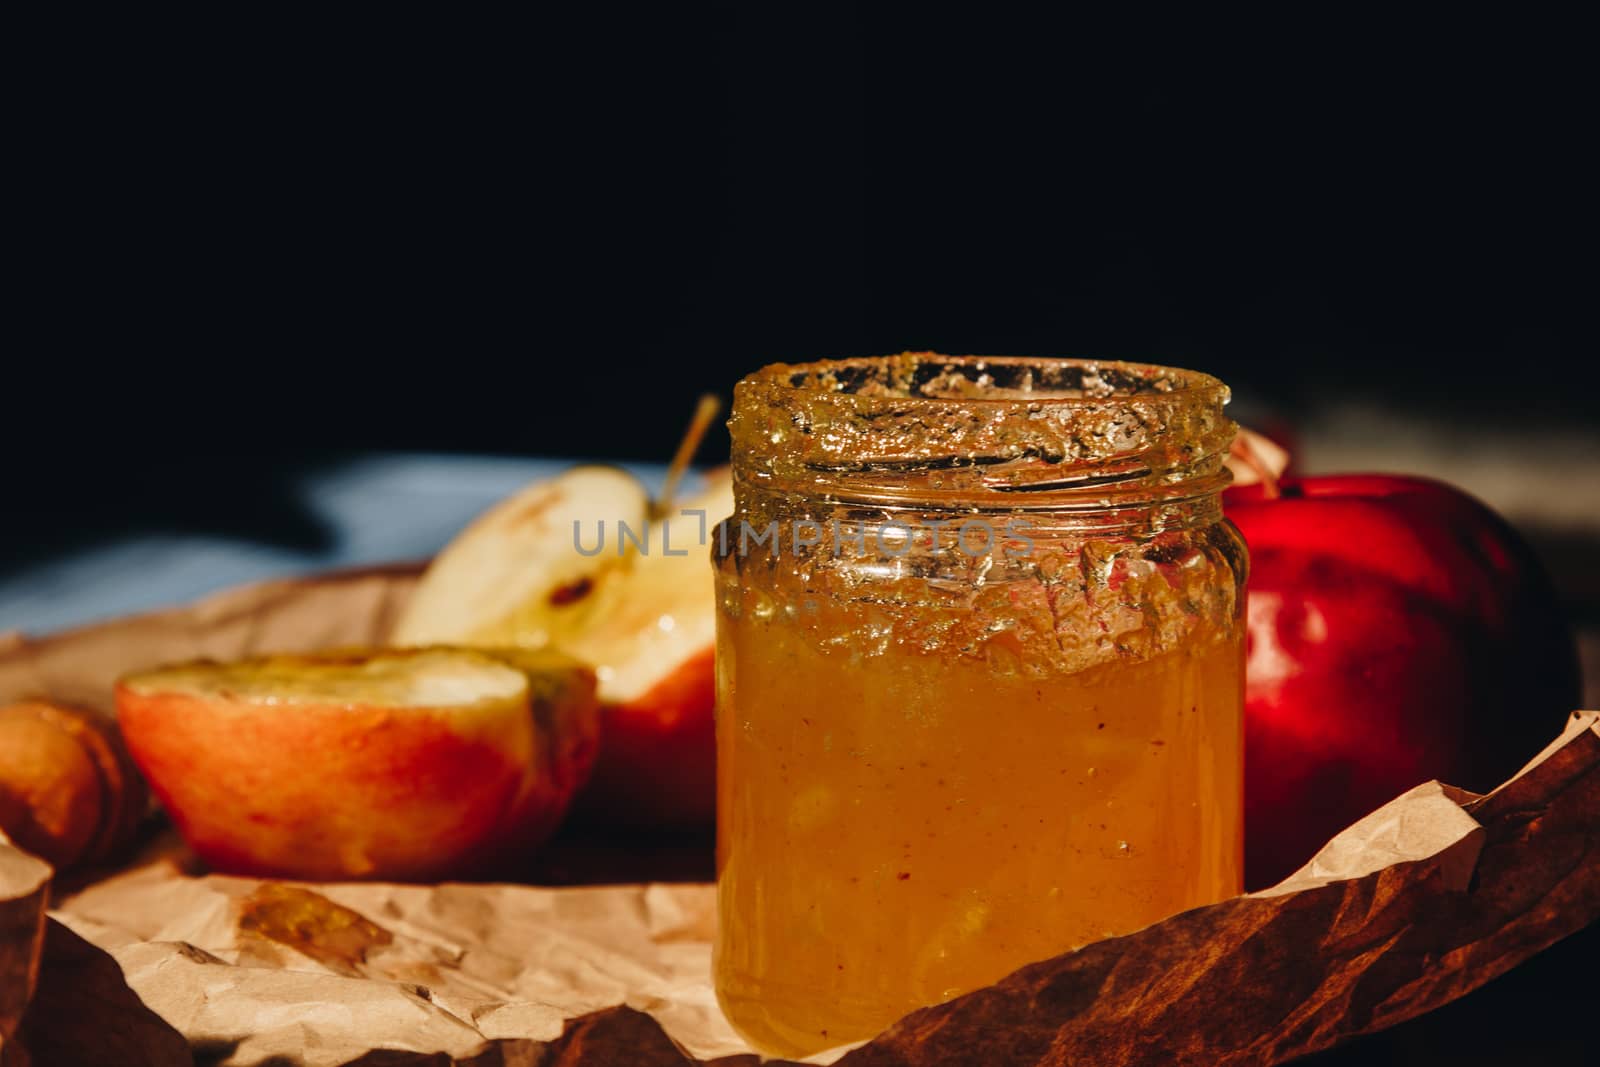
(24, 891)
(1416, 905)
(356, 607)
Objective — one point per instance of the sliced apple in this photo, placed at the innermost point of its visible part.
(1255, 457)
(654, 654)
(640, 610)
(517, 576)
(420, 764)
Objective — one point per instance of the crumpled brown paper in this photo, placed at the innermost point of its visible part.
(1416, 905)
(356, 607)
(24, 891)
(431, 968)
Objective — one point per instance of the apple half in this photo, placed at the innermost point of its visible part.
(585, 564)
(403, 765)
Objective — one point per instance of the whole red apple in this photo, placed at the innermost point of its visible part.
(1399, 631)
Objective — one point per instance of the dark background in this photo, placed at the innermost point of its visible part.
(251, 251)
(248, 251)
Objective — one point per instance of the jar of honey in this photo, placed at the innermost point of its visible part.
(980, 669)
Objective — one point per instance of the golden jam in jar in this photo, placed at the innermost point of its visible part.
(980, 672)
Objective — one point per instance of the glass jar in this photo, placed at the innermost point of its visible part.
(980, 670)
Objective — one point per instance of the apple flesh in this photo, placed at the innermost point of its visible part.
(520, 574)
(415, 765)
(633, 598)
(1398, 631)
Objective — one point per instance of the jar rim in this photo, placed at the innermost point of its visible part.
(936, 380)
(921, 424)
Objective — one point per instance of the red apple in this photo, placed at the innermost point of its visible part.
(397, 765)
(68, 791)
(1399, 631)
(584, 563)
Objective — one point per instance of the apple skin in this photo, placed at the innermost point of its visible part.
(645, 620)
(50, 789)
(324, 791)
(348, 789)
(657, 767)
(1398, 631)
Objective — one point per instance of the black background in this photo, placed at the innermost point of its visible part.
(246, 250)
(549, 238)
(258, 248)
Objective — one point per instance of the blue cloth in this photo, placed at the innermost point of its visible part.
(379, 508)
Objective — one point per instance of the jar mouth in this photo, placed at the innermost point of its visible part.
(920, 425)
(930, 378)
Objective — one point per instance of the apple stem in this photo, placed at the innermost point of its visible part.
(705, 411)
(1246, 453)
